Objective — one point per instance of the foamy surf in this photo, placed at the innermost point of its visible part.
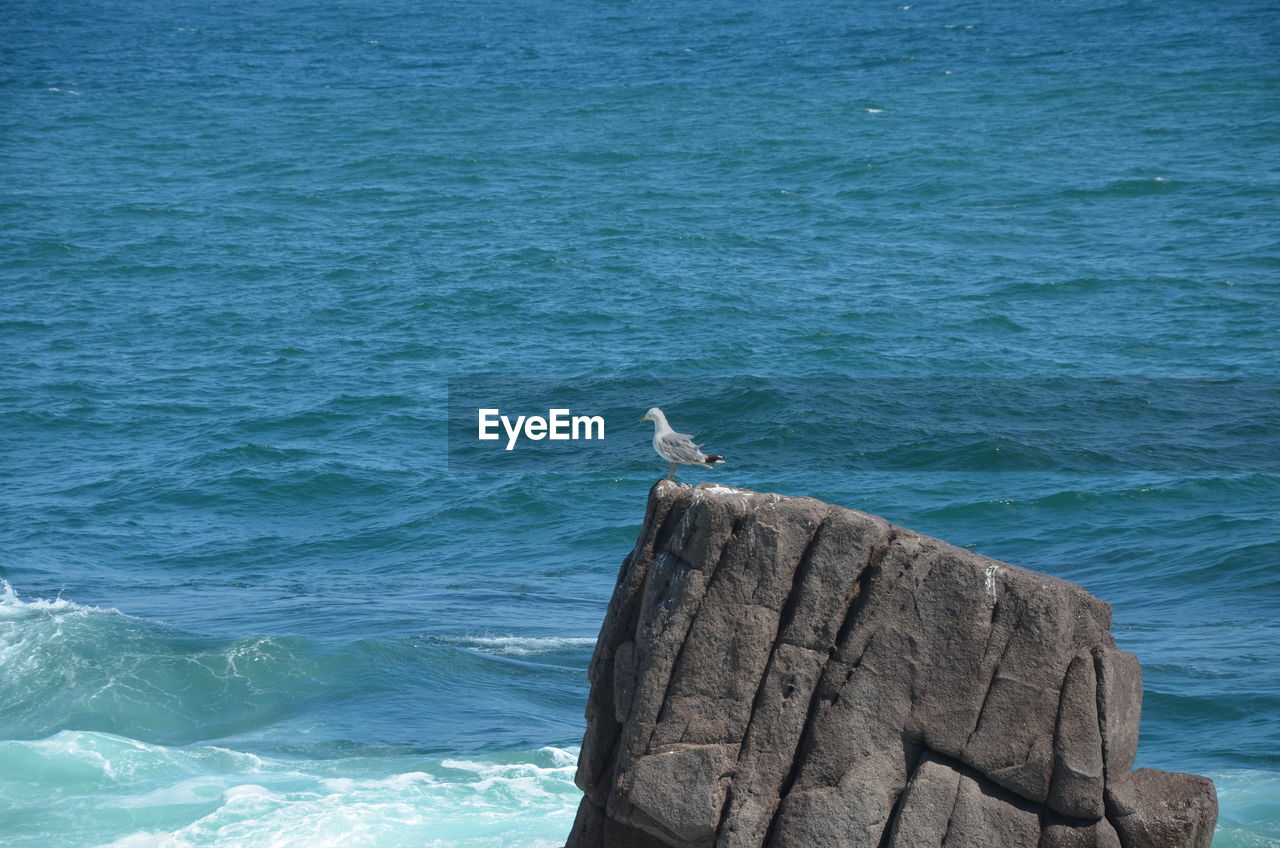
(13, 608)
(117, 792)
(521, 646)
(123, 793)
(65, 665)
(1248, 808)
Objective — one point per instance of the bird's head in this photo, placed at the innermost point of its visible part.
(654, 414)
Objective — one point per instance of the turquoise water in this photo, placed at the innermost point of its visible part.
(246, 246)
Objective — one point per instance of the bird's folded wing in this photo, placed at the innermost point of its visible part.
(680, 448)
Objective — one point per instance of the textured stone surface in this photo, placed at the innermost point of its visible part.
(1077, 785)
(985, 816)
(777, 671)
(593, 827)
(924, 814)
(1119, 707)
(1156, 808)
(1067, 834)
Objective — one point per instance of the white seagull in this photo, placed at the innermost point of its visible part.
(677, 447)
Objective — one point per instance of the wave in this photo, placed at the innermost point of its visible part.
(12, 607)
(119, 792)
(522, 646)
(69, 666)
(1248, 808)
(1131, 187)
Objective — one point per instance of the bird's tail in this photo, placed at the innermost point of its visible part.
(714, 459)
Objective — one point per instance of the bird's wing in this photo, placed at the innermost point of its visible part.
(679, 447)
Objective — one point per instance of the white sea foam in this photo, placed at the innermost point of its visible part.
(131, 794)
(1248, 808)
(140, 795)
(520, 646)
(12, 607)
(28, 629)
(93, 759)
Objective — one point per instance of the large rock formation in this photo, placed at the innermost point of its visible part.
(777, 671)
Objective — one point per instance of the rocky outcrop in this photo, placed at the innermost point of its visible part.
(780, 672)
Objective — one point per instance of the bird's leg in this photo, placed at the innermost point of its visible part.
(671, 473)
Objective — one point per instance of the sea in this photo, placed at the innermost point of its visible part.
(251, 594)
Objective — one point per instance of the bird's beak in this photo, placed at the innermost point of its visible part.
(644, 419)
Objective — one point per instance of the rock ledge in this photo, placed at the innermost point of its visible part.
(777, 671)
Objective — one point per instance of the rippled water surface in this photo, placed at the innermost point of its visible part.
(246, 601)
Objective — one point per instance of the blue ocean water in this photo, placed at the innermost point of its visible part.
(245, 247)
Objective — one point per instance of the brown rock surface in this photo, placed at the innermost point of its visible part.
(776, 671)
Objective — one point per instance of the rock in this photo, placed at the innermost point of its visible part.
(1077, 785)
(924, 812)
(677, 793)
(1067, 834)
(985, 816)
(1156, 808)
(1119, 707)
(781, 672)
(947, 802)
(593, 827)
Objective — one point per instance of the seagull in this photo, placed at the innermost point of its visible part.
(677, 447)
